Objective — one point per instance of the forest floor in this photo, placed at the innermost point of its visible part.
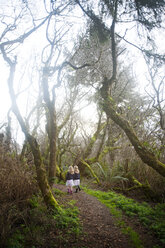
(99, 228)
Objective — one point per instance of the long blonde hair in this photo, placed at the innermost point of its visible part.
(76, 169)
(70, 169)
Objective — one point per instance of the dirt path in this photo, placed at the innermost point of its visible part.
(98, 224)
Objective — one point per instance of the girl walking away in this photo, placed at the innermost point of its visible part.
(76, 178)
(69, 180)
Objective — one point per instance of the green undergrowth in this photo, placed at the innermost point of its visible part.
(42, 228)
(151, 218)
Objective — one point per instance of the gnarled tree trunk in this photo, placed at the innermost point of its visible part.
(51, 127)
(40, 170)
(146, 156)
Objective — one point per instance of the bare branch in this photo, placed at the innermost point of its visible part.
(21, 38)
(146, 52)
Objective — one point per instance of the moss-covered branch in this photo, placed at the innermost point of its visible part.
(146, 188)
(100, 127)
(106, 150)
(90, 169)
(147, 156)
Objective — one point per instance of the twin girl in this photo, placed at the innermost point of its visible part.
(73, 179)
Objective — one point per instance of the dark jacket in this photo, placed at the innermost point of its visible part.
(69, 176)
(76, 176)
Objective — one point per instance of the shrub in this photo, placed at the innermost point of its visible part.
(17, 184)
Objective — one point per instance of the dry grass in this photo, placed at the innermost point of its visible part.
(17, 185)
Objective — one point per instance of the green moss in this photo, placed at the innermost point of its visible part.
(52, 203)
(111, 99)
(91, 170)
(92, 160)
(93, 138)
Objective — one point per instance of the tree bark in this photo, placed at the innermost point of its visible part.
(93, 139)
(51, 127)
(146, 156)
(49, 199)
